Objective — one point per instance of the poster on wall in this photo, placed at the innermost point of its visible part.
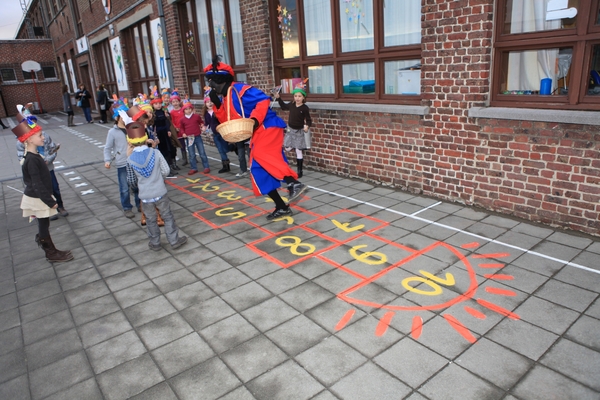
(64, 74)
(156, 32)
(72, 75)
(117, 59)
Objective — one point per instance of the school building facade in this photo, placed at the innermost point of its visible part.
(494, 104)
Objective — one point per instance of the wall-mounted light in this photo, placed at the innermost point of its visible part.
(111, 29)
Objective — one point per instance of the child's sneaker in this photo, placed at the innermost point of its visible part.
(155, 247)
(296, 189)
(241, 174)
(206, 171)
(192, 172)
(180, 242)
(279, 213)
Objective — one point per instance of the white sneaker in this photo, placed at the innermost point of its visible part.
(241, 174)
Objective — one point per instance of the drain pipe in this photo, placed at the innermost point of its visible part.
(161, 15)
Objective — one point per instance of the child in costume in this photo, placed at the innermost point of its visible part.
(150, 167)
(210, 125)
(299, 123)
(268, 165)
(37, 198)
(190, 129)
(161, 126)
(176, 114)
(115, 150)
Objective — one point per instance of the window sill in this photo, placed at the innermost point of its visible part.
(361, 107)
(534, 114)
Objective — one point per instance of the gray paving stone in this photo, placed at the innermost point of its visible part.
(566, 295)
(297, 335)
(269, 314)
(228, 333)
(130, 378)
(585, 331)
(52, 349)
(306, 296)
(10, 340)
(182, 354)
(162, 391)
(87, 390)
(149, 310)
(137, 294)
(12, 365)
(556, 250)
(40, 308)
(495, 363)
(207, 313)
(16, 389)
(38, 292)
(542, 383)
(336, 281)
(246, 296)
(533, 341)
(361, 336)
(594, 309)
(281, 281)
(464, 386)
(94, 309)
(59, 375)
(240, 393)
(253, 358)
(532, 230)
(579, 277)
(575, 361)
(258, 268)
(227, 280)
(164, 330)
(174, 280)
(47, 326)
(116, 267)
(311, 268)
(420, 363)
(210, 267)
(353, 386)
(576, 241)
(78, 279)
(85, 293)
(115, 351)
(546, 315)
(194, 256)
(298, 383)
(8, 301)
(125, 279)
(330, 360)
(537, 264)
(521, 278)
(108, 256)
(189, 295)
(35, 278)
(9, 319)
(439, 335)
(212, 378)
(103, 328)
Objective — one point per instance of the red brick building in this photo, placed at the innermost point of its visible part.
(488, 103)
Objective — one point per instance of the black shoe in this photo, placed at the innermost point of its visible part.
(279, 213)
(296, 189)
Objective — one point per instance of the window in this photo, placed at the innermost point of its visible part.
(358, 50)
(547, 54)
(28, 76)
(106, 66)
(141, 59)
(49, 72)
(210, 28)
(8, 75)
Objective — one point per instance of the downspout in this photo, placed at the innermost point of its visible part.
(161, 15)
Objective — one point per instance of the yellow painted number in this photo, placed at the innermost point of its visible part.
(346, 226)
(430, 281)
(368, 257)
(223, 212)
(207, 187)
(295, 245)
(229, 195)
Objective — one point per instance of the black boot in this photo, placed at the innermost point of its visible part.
(299, 162)
(184, 158)
(225, 168)
(52, 253)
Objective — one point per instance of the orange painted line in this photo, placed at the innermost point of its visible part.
(476, 313)
(500, 277)
(460, 328)
(345, 319)
(500, 292)
(491, 265)
(498, 309)
(469, 245)
(492, 255)
(384, 323)
(417, 327)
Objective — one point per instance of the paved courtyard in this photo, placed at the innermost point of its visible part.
(366, 292)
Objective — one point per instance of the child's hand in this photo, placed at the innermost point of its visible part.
(276, 95)
(169, 133)
(55, 206)
(305, 128)
(107, 165)
(184, 135)
(129, 149)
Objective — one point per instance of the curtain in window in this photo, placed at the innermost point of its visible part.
(237, 35)
(527, 68)
(317, 15)
(402, 22)
(356, 25)
(203, 33)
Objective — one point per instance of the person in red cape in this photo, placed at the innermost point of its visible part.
(268, 165)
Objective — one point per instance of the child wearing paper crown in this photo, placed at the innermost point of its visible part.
(151, 168)
(176, 114)
(210, 125)
(37, 198)
(268, 165)
(190, 129)
(299, 123)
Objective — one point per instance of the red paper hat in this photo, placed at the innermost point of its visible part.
(175, 95)
(135, 112)
(187, 104)
(156, 98)
(26, 129)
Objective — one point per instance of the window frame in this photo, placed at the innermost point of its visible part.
(13, 72)
(197, 72)
(104, 58)
(581, 38)
(379, 55)
(140, 84)
(44, 72)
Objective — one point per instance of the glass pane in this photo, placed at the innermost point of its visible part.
(403, 77)
(321, 79)
(203, 33)
(359, 78)
(197, 88)
(191, 58)
(220, 30)
(401, 22)
(49, 72)
(241, 77)
(533, 15)
(147, 52)
(138, 51)
(544, 71)
(290, 77)
(8, 75)
(287, 23)
(317, 16)
(237, 35)
(594, 82)
(356, 25)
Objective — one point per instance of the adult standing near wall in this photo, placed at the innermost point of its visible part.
(103, 102)
(68, 106)
(83, 101)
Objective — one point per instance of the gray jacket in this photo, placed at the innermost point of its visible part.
(116, 146)
(151, 182)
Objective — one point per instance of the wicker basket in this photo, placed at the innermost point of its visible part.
(236, 130)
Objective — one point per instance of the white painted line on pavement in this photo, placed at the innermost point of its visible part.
(10, 187)
(75, 178)
(80, 184)
(69, 173)
(426, 208)
(84, 192)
